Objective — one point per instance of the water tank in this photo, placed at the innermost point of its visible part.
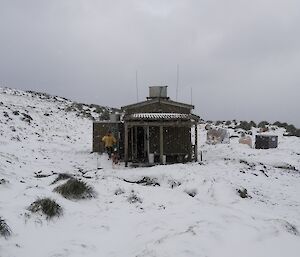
(158, 92)
(266, 141)
(114, 117)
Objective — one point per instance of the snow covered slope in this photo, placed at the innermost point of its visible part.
(189, 209)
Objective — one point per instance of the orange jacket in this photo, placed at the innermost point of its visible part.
(109, 140)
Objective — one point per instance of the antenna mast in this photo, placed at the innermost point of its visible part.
(136, 85)
(177, 82)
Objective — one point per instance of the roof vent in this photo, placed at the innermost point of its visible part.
(158, 92)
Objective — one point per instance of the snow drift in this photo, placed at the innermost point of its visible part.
(238, 202)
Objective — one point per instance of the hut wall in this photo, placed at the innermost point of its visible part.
(99, 131)
(177, 142)
(154, 139)
(158, 107)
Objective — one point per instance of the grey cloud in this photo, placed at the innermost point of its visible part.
(240, 57)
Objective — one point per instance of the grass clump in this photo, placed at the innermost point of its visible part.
(174, 183)
(245, 125)
(62, 176)
(119, 191)
(3, 181)
(47, 207)
(292, 229)
(4, 228)
(146, 181)
(75, 189)
(263, 124)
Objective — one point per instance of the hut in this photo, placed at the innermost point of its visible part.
(159, 130)
(266, 141)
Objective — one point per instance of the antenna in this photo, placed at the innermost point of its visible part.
(136, 85)
(191, 96)
(177, 83)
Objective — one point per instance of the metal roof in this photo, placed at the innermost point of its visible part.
(161, 116)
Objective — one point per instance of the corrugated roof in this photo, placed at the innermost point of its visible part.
(160, 116)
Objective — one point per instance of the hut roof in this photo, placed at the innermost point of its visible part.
(161, 116)
(158, 100)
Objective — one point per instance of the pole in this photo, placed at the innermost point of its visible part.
(196, 144)
(161, 144)
(97, 160)
(148, 141)
(98, 168)
(98, 153)
(136, 85)
(177, 82)
(126, 145)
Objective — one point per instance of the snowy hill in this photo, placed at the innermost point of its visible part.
(174, 210)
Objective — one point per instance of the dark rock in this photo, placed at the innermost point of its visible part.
(243, 193)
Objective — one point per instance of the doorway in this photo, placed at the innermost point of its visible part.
(140, 144)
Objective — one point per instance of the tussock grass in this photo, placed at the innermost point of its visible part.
(62, 176)
(174, 183)
(119, 191)
(4, 228)
(3, 181)
(75, 189)
(46, 206)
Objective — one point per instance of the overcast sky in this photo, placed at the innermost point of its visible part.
(240, 57)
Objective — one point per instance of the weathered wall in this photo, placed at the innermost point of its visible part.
(99, 131)
(177, 141)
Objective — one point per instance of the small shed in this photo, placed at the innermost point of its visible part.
(266, 141)
(100, 129)
(159, 130)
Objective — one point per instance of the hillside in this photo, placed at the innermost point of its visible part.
(174, 210)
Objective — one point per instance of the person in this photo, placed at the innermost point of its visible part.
(109, 140)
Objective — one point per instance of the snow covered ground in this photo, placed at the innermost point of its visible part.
(195, 211)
